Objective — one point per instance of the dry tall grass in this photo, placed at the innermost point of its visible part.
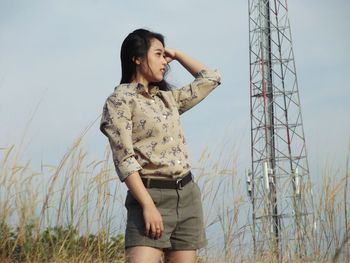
(74, 212)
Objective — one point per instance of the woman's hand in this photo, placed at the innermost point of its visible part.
(153, 221)
(192, 65)
(170, 54)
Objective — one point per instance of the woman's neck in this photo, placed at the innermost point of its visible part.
(140, 79)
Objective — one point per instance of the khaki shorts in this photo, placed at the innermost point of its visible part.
(182, 214)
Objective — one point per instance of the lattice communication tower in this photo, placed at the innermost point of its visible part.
(278, 183)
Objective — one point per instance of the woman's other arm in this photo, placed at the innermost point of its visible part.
(153, 219)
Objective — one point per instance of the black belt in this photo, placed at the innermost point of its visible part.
(167, 184)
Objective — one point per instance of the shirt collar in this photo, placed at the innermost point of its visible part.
(140, 88)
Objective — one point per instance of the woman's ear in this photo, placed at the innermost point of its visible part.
(137, 61)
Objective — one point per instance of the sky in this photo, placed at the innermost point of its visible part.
(59, 61)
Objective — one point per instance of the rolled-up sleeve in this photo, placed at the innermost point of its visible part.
(191, 94)
(116, 124)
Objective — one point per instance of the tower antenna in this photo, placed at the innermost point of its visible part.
(279, 180)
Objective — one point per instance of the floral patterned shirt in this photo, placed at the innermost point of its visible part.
(144, 129)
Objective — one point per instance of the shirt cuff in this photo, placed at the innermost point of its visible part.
(210, 74)
(127, 167)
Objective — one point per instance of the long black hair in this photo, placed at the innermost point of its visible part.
(136, 45)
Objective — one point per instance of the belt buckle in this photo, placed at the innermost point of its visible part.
(179, 183)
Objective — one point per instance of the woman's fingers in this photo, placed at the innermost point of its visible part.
(153, 222)
(153, 231)
(158, 233)
(147, 228)
(160, 230)
(156, 230)
(170, 54)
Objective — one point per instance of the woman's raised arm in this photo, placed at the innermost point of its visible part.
(190, 64)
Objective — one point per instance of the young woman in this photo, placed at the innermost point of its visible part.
(142, 122)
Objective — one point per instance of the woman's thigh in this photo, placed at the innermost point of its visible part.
(143, 254)
(180, 256)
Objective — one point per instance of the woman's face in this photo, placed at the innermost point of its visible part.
(152, 68)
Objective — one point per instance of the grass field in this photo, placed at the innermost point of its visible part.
(74, 212)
